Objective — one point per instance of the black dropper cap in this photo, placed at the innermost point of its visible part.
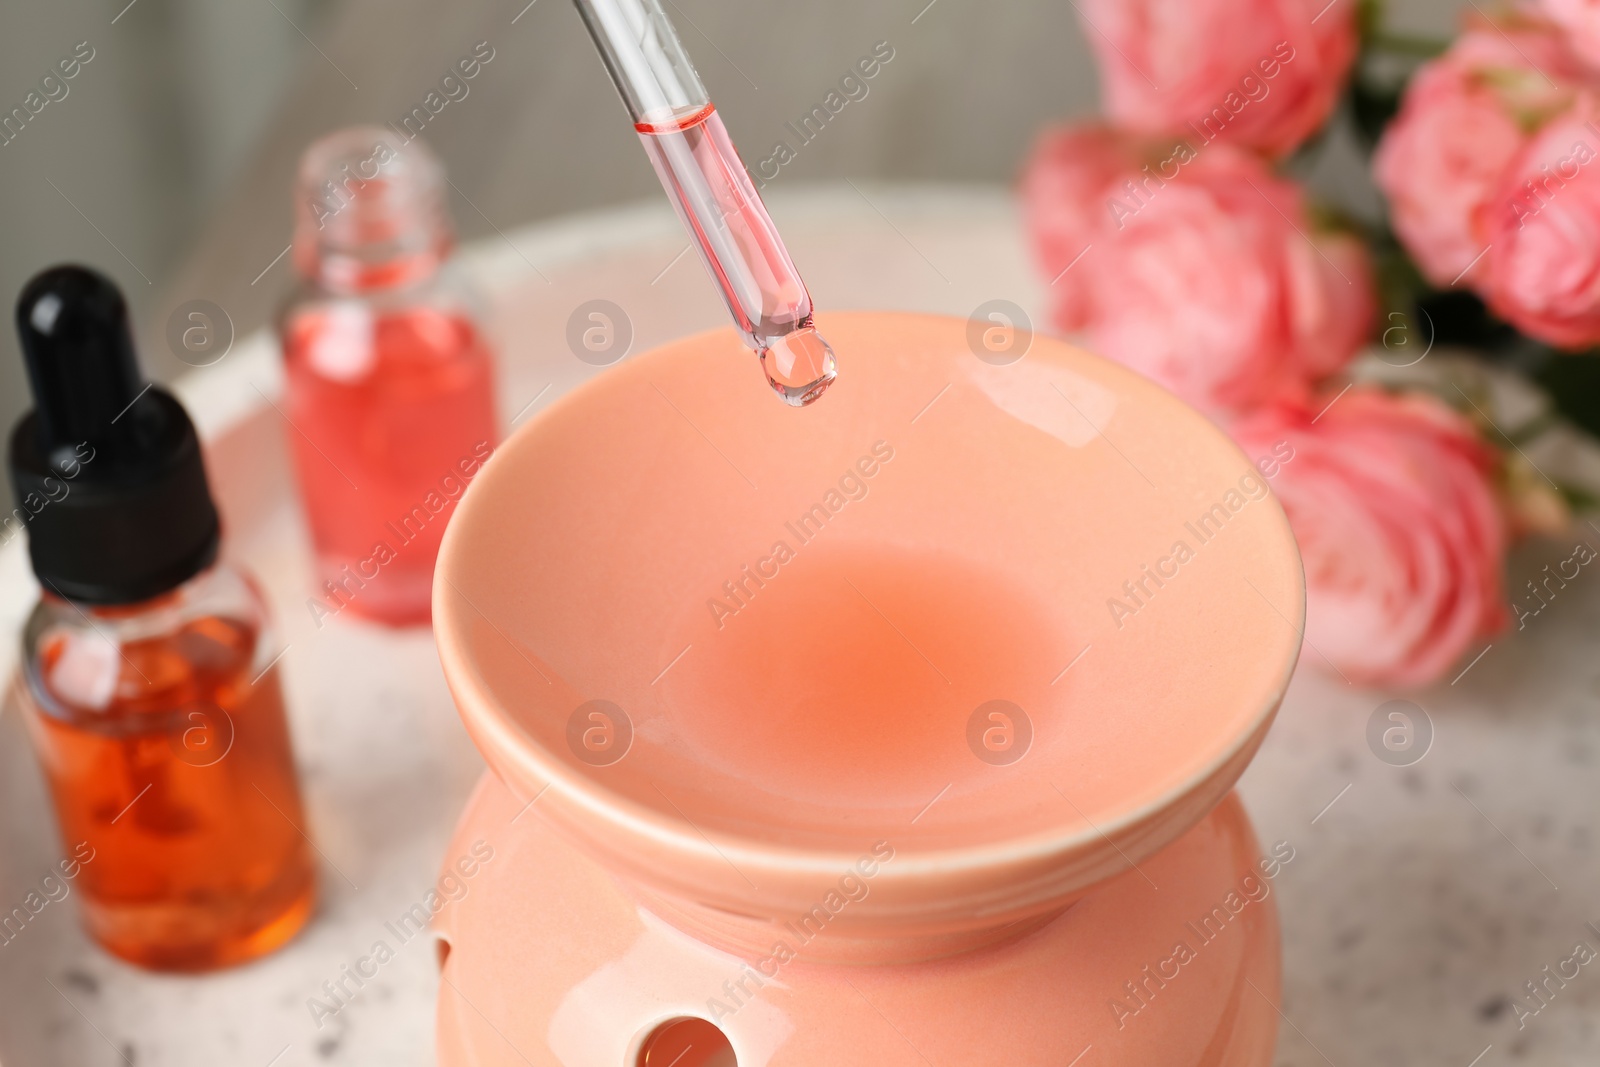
(107, 470)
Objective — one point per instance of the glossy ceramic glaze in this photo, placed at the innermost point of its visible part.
(796, 624)
(552, 961)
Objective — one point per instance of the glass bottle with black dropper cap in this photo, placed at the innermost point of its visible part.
(150, 689)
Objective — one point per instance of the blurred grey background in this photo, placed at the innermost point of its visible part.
(168, 163)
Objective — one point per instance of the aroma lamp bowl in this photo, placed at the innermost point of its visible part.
(900, 729)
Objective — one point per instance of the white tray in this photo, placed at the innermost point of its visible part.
(1409, 916)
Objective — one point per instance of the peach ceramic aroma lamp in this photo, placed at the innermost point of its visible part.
(735, 668)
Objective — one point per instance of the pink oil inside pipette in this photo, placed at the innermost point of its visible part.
(719, 205)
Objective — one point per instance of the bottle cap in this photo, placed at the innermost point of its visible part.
(106, 469)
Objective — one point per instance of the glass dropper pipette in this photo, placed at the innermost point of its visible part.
(708, 184)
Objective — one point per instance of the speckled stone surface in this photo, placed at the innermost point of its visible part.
(1419, 902)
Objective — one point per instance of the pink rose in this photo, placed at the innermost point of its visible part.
(1262, 74)
(1464, 119)
(1399, 527)
(1202, 270)
(1581, 20)
(1064, 186)
(1332, 304)
(1439, 161)
(1543, 225)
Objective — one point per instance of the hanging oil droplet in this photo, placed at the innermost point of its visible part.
(799, 365)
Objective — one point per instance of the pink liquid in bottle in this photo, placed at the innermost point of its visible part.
(393, 413)
(708, 184)
(390, 394)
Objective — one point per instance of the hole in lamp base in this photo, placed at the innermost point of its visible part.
(687, 1043)
(441, 948)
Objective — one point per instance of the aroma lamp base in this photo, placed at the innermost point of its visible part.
(550, 960)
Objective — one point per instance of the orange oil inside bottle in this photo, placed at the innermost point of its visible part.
(183, 786)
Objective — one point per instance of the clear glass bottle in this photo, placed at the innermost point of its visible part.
(149, 678)
(160, 726)
(390, 372)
